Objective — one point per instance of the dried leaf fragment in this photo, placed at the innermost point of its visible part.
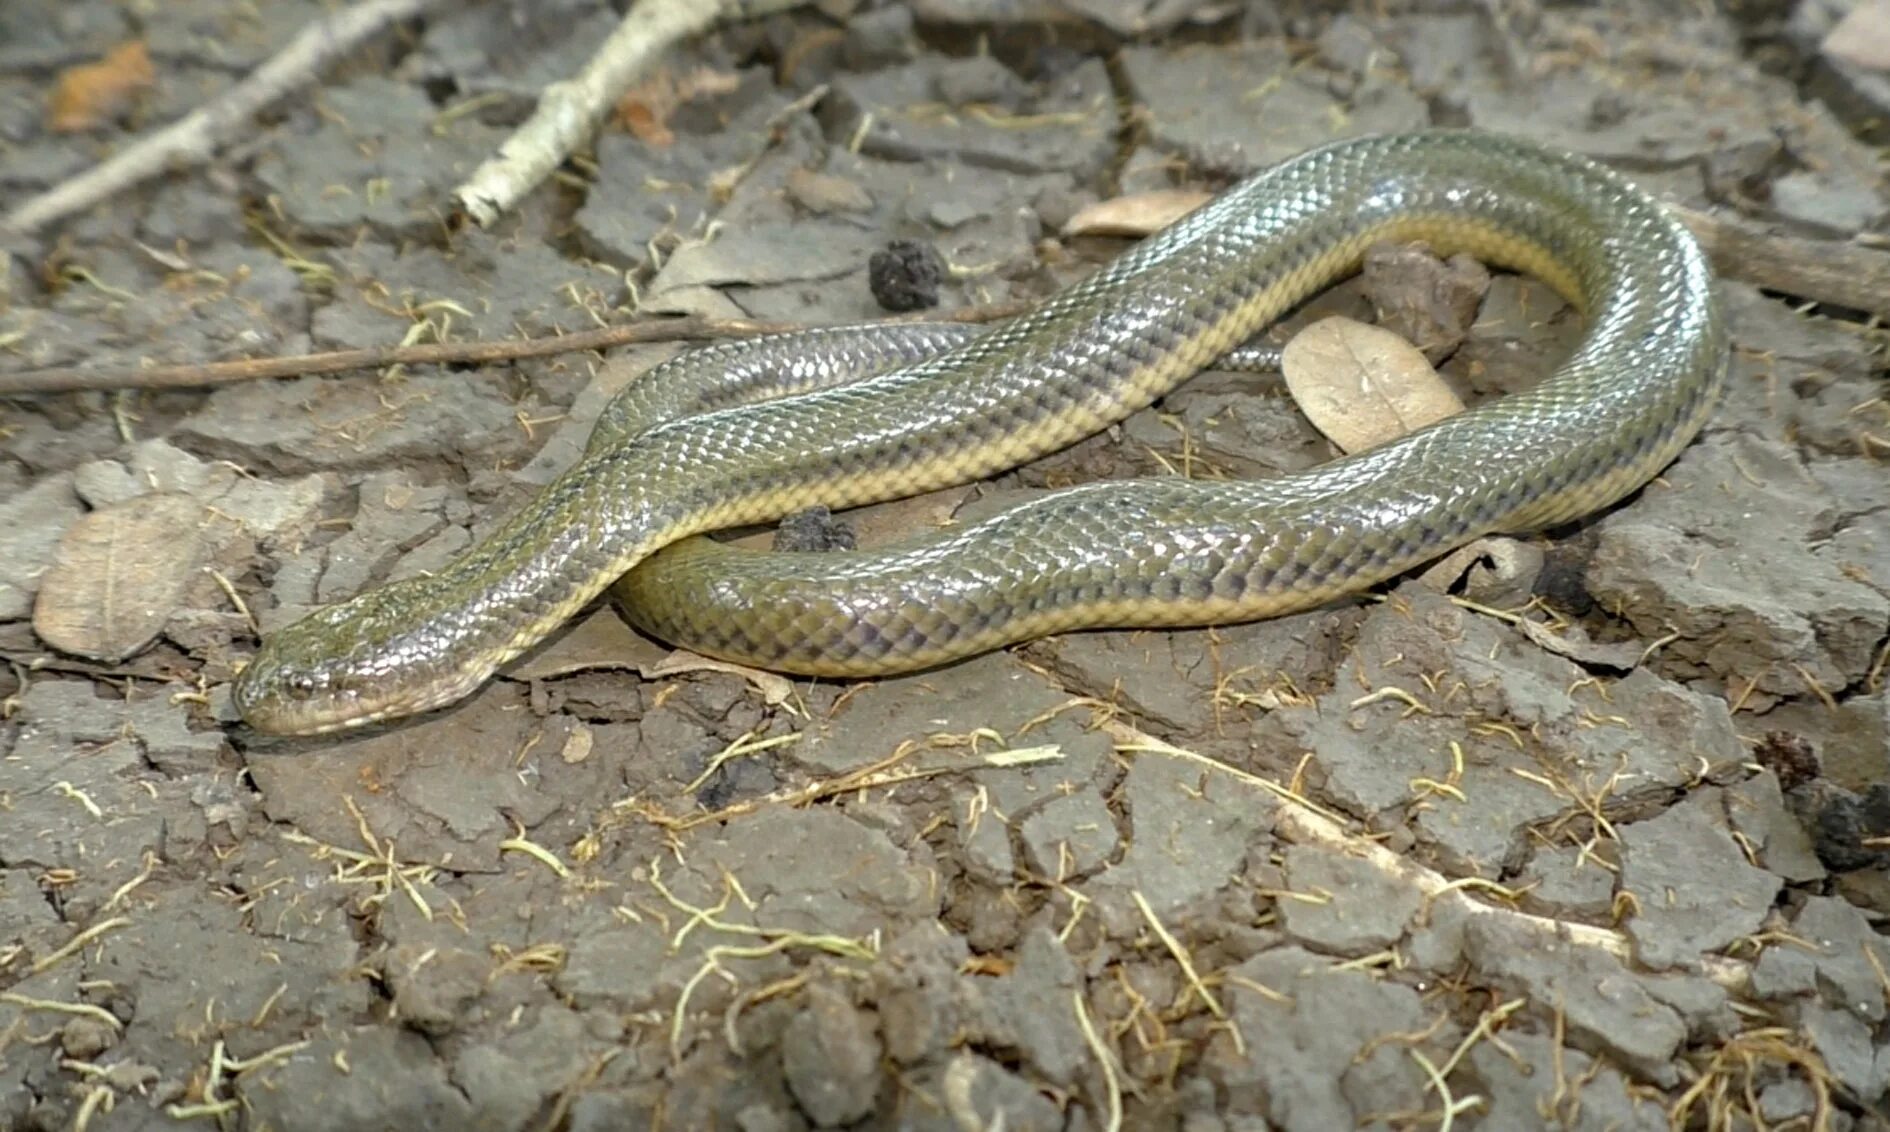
(1137, 214)
(644, 110)
(774, 688)
(118, 574)
(1862, 37)
(822, 193)
(1363, 385)
(600, 641)
(91, 95)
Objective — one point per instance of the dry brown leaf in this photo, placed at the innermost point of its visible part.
(822, 193)
(118, 574)
(1862, 37)
(1487, 567)
(775, 688)
(601, 640)
(91, 95)
(1138, 214)
(644, 121)
(579, 743)
(645, 108)
(1363, 385)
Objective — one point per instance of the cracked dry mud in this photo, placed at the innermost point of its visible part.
(1590, 843)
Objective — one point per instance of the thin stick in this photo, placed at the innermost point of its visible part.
(64, 380)
(1838, 272)
(568, 112)
(1297, 822)
(196, 137)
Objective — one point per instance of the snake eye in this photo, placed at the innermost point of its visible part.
(300, 686)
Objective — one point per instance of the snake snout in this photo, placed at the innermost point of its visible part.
(278, 696)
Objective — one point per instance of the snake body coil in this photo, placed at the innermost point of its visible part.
(1144, 552)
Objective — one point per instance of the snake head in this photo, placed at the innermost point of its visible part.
(342, 667)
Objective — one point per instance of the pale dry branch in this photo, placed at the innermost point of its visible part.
(569, 112)
(196, 137)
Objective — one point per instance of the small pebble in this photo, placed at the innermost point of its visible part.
(85, 1038)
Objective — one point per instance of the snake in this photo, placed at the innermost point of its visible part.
(841, 418)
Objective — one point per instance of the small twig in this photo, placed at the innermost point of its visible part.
(66, 380)
(1112, 1086)
(1838, 272)
(569, 112)
(82, 1009)
(1298, 822)
(195, 138)
(78, 942)
(1179, 952)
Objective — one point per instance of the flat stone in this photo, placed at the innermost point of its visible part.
(510, 54)
(161, 728)
(408, 1085)
(1832, 206)
(1198, 684)
(1667, 121)
(188, 957)
(392, 514)
(1066, 123)
(1326, 1066)
(1024, 1010)
(1792, 1098)
(237, 302)
(1843, 1040)
(449, 792)
(991, 698)
(831, 1057)
(1585, 1097)
(984, 839)
(1562, 883)
(1756, 809)
(1725, 553)
(80, 789)
(1188, 834)
(1070, 837)
(916, 989)
(509, 1077)
(1377, 751)
(1783, 971)
(1845, 43)
(1608, 1007)
(1364, 908)
(1279, 113)
(624, 966)
(649, 199)
(1705, 1007)
(1858, 753)
(1245, 433)
(756, 255)
(210, 34)
(782, 858)
(1695, 891)
(377, 156)
(435, 988)
(479, 288)
(1842, 933)
(313, 424)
